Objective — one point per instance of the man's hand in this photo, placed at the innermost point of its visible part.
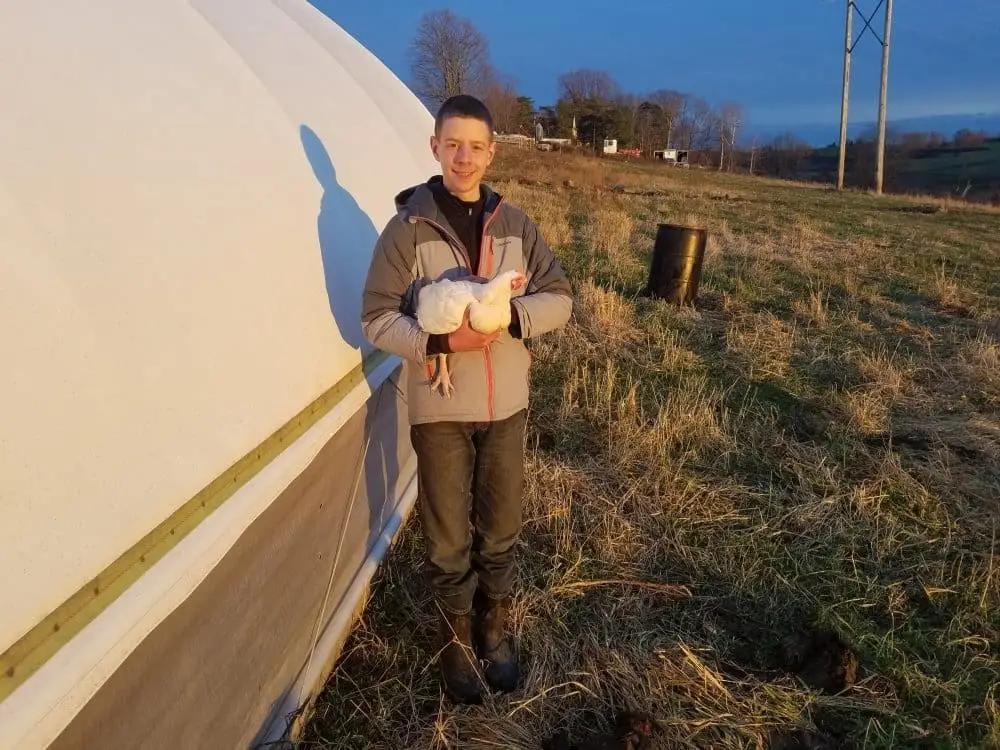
(466, 339)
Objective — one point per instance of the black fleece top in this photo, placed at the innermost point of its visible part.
(465, 217)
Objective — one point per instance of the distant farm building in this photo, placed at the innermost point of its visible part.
(679, 157)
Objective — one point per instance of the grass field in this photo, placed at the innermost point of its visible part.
(813, 448)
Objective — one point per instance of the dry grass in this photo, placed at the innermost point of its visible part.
(554, 170)
(610, 230)
(815, 445)
(982, 355)
(886, 372)
(945, 289)
(815, 308)
(763, 342)
(548, 209)
(609, 233)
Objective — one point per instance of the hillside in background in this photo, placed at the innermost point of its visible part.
(967, 167)
(818, 135)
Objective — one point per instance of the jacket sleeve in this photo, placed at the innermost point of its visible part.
(548, 300)
(386, 300)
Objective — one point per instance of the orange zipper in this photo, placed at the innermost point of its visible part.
(489, 381)
(483, 248)
(487, 358)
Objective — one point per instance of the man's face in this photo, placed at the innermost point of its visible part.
(465, 149)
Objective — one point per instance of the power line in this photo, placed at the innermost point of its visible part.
(868, 24)
(849, 46)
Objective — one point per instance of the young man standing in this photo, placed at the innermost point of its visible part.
(469, 446)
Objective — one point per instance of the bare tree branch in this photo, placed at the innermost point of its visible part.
(585, 83)
(673, 105)
(448, 56)
(731, 119)
(702, 124)
(502, 99)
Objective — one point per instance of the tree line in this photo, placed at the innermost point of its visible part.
(449, 56)
(788, 156)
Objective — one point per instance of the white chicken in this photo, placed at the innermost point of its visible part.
(441, 308)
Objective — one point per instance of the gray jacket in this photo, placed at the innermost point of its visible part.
(417, 247)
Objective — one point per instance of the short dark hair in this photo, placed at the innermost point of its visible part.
(463, 105)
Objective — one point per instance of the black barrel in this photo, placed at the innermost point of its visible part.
(675, 271)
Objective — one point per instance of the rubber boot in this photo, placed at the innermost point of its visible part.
(457, 660)
(495, 647)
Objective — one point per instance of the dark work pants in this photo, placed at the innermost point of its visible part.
(470, 475)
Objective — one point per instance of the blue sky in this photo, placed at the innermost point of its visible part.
(780, 58)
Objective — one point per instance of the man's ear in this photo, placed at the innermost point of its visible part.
(492, 151)
(435, 145)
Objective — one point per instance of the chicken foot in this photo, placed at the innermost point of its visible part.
(443, 379)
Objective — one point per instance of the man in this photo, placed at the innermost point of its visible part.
(470, 446)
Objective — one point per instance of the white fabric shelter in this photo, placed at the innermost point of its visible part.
(189, 195)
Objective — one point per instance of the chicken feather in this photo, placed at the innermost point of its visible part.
(441, 308)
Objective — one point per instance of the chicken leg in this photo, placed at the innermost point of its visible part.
(443, 379)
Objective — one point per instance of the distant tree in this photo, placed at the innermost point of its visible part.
(684, 130)
(719, 138)
(703, 125)
(936, 140)
(663, 118)
(915, 142)
(590, 97)
(595, 120)
(730, 120)
(503, 102)
(623, 120)
(649, 126)
(966, 138)
(525, 115)
(786, 156)
(585, 83)
(448, 56)
(673, 105)
(863, 159)
(861, 167)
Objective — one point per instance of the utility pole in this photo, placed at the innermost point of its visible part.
(883, 94)
(846, 95)
(880, 169)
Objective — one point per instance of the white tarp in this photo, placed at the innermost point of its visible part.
(189, 194)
